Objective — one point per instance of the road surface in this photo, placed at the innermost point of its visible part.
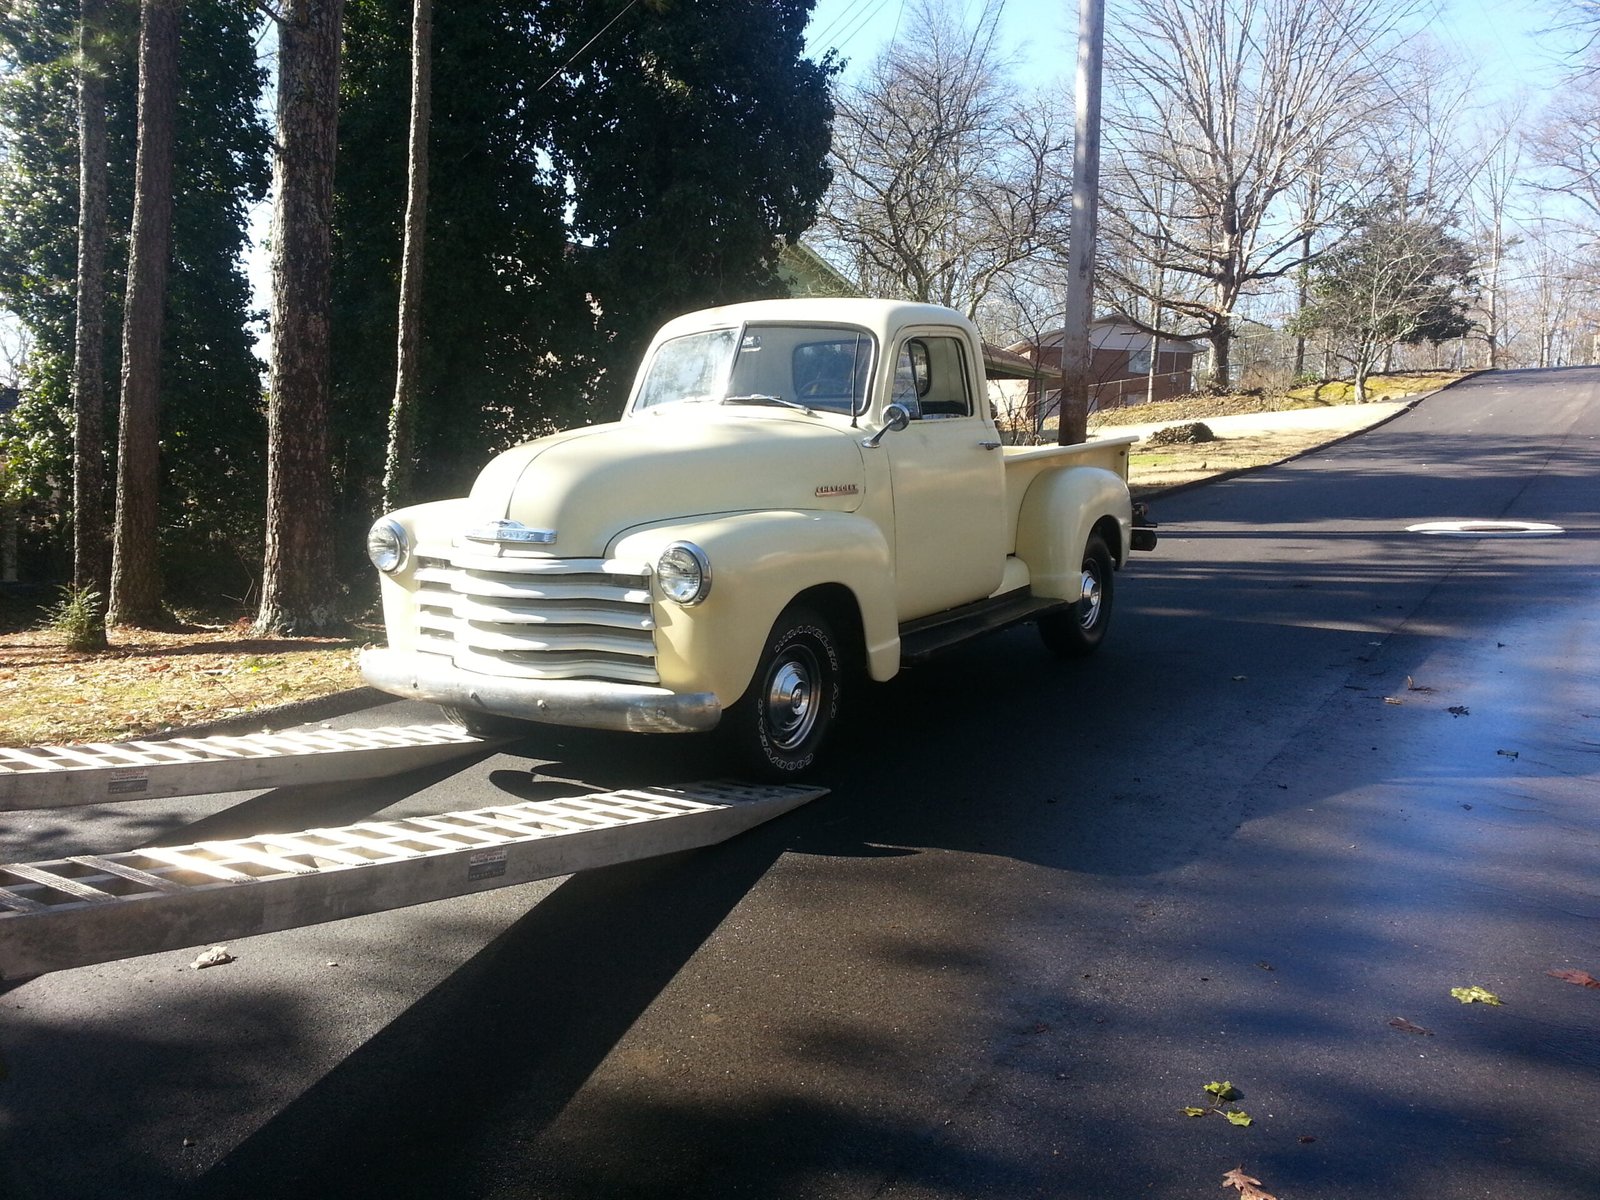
(1324, 771)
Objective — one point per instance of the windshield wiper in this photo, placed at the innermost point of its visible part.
(763, 398)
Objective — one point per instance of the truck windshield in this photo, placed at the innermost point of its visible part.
(818, 366)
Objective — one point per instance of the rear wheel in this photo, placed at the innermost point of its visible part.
(485, 725)
(781, 721)
(1079, 628)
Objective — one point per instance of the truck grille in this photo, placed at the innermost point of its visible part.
(537, 618)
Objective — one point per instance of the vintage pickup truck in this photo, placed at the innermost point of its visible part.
(799, 493)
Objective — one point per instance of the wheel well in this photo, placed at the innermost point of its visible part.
(838, 604)
(1111, 533)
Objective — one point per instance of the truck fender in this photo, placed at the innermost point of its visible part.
(428, 526)
(1059, 511)
(760, 561)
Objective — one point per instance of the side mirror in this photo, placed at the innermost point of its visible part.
(895, 417)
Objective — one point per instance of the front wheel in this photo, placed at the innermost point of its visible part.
(779, 724)
(1079, 628)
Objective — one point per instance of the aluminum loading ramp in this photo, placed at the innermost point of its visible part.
(102, 772)
(89, 908)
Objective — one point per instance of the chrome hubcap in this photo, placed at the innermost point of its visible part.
(791, 701)
(1089, 605)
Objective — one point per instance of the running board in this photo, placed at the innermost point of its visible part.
(91, 908)
(923, 638)
(100, 772)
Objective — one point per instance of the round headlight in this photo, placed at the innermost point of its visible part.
(684, 573)
(387, 545)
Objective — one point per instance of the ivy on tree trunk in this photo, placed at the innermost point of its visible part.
(403, 412)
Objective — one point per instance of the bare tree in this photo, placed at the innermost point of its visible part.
(1557, 296)
(1227, 103)
(403, 410)
(298, 591)
(1416, 139)
(1024, 309)
(135, 569)
(91, 560)
(1493, 189)
(945, 175)
(1568, 145)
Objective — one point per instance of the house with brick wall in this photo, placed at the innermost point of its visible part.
(1120, 367)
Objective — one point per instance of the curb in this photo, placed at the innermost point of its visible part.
(281, 716)
(1410, 403)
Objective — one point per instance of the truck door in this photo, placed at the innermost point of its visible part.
(948, 480)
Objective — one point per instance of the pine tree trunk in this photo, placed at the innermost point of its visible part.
(403, 411)
(91, 552)
(298, 591)
(135, 571)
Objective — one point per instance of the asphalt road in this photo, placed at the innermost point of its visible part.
(1043, 906)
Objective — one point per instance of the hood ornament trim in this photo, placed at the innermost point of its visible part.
(509, 533)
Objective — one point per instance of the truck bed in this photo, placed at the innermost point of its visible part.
(1026, 463)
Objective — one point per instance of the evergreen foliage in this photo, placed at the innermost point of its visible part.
(580, 195)
(655, 175)
(1400, 278)
(212, 430)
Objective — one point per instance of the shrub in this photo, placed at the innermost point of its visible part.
(1179, 435)
(77, 618)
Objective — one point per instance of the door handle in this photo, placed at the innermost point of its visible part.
(988, 445)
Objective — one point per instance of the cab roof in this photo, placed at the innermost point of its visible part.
(882, 317)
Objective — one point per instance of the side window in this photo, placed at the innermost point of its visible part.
(930, 378)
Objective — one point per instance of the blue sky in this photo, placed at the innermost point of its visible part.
(1498, 36)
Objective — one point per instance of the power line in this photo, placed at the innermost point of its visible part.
(843, 17)
(861, 25)
(553, 74)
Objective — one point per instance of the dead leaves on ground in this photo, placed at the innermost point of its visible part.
(1248, 1186)
(1222, 1094)
(1405, 1026)
(1581, 978)
(1475, 995)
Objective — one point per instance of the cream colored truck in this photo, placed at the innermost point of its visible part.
(799, 493)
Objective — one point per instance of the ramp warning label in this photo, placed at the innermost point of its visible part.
(486, 864)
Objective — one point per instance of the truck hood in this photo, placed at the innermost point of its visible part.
(589, 485)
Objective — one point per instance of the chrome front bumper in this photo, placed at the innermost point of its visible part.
(587, 704)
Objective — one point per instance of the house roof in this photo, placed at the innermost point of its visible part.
(807, 273)
(1003, 364)
(1111, 332)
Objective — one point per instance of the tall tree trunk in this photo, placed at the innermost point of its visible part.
(298, 592)
(1302, 295)
(1221, 339)
(1492, 295)
(135, 571)
(403, 411)
(91, 557)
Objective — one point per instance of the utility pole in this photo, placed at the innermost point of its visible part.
(1076, 373)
